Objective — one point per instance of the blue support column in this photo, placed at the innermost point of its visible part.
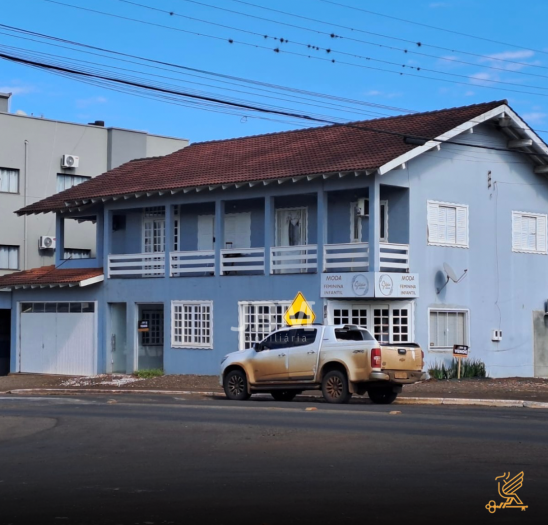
(374, 226)
(99, 239)
(322, 221)
(106, 241)
(170, 237)
(219, 234)
(269, 241)
(59, 239)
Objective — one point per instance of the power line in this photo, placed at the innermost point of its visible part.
(358, 40)
(255, 108)
(419, 44)
(327, 50)
(361, 66)
(468, 35)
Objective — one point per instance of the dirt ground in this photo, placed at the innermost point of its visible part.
(527, 389)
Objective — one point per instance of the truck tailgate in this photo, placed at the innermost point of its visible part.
(405, 356)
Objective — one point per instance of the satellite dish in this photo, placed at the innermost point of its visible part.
(451, 275)
(450, 272)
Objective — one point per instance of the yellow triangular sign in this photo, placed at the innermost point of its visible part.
(299, 312)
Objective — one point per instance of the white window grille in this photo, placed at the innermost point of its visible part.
(9, 180)
(192, 324)
(9, 257)
(64, 181)
(356, 222)
(176, 232)
(155, 211)
(447, 224)
(528, 232)
(448, 328)
(155, 334)
(258, 319)
(75, 253)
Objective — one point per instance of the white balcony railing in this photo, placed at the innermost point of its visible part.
(136, 265)
(293, 259)
(347, 257)
(394, 257)
(195, 262)
(236, 260)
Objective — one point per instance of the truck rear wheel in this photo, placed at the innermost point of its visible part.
(335, 387)
(284, 395)
(382, 396)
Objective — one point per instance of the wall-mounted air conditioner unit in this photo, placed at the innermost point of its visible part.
(46, 242)
(70, 161)
(362, 209)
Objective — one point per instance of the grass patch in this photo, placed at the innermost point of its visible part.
(148, 373)
(470, 368)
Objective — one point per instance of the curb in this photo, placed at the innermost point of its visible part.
(509, 403)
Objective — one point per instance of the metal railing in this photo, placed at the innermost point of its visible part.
(394, 257)
(294, 259)
(238, 260)
(194, 262)
(136, 265)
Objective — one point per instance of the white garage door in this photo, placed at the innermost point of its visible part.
(58, 338)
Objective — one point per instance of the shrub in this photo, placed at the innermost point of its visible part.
(470, 368)
(148, 373)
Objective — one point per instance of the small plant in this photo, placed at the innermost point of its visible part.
(470, 368)
(148, 373)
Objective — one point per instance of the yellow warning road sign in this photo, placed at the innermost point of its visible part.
(299, 312)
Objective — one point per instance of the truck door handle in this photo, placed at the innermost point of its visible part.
(311, 352)
(281, 355)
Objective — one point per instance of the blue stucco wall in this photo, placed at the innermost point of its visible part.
(5, 300)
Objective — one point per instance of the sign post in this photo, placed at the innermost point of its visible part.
(460, 352)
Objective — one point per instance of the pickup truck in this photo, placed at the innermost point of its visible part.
(340, 360)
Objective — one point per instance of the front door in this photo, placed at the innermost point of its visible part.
(303, 354)
(271, 359)
(118, 338)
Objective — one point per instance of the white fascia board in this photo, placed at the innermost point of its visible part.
(480, 119)
(92, 280)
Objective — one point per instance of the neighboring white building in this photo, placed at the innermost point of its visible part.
(34, 163)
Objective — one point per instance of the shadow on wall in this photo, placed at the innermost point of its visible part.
(5, 330)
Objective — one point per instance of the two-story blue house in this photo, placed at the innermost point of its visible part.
(200, 252)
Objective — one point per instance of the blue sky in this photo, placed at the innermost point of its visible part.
(524, 67)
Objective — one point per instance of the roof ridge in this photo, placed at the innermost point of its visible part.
(342, 124)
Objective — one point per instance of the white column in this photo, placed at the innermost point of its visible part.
(374, 226)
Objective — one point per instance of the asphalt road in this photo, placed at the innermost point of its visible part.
(170, 460)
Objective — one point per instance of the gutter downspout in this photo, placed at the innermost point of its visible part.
(25, 247)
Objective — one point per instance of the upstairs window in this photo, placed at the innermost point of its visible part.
(64, 181)
(9, 180)
(447, 224)
(9, 257)
(528, 232)
(76, 253)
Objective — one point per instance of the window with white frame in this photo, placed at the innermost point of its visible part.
(356, 221)
(155, 334)
(447, 224)
(64, 181)
(76, 253)
(448, 328)
(9, 180)
(9, 257)
(192, 324)
(258, 319)
(154, 230)
(528, 232)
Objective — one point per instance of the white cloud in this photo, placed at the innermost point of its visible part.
(480, 78)
(16, 90)
(383, 94)
(506, 59)
(86, 102)
(469, 94)
(535, 117)
(511, 55)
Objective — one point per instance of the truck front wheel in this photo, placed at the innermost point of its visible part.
(235, 385)
(382, 396)
(335, 387)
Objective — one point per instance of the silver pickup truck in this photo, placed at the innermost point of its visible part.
(340, 360)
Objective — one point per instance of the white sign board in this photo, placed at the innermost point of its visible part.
(369, 284)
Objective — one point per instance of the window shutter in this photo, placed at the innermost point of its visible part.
(451, 227)
(206, 224)
(516, 231)
(541, 233)
(442, 224)
(433, 220)
(462, 226)
(433, 329)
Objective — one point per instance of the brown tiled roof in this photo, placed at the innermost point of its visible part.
(277, 155)
(49, 275)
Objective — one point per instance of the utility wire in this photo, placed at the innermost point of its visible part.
(468, 35)
(351, 64)
(255, 108)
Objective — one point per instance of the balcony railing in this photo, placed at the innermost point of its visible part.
(242, 260)
(136, 265)
(196, 262)
(394, 257)
(346, 257)
(294, 259)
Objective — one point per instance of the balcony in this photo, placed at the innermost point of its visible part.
(242, 261)
(192, 263)
(294, 259)
(136, 265)
(354, 257)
